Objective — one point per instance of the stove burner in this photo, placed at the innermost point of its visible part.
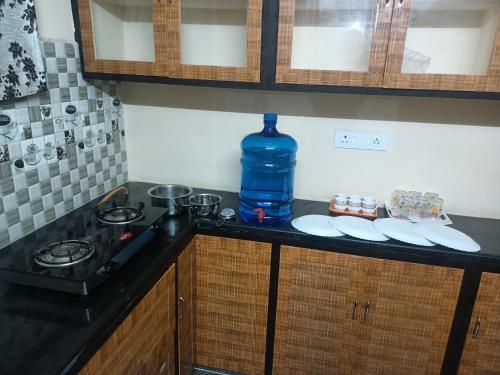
(120, 215)
(64, 253)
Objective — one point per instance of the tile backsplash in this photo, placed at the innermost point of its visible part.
(58, 149)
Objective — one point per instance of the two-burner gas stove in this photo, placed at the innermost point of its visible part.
(82, 249)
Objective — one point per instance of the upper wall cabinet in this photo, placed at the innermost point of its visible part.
(215, 39)
(333, 42)
(445, 45)
(124, 36)
(190, 39)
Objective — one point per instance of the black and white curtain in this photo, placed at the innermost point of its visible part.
(21, 65)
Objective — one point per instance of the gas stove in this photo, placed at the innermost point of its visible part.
(85, 247)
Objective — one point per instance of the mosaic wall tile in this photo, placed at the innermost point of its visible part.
(62, 148)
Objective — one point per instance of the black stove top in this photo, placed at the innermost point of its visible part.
(83, 248)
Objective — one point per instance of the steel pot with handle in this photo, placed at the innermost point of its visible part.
(175, 198)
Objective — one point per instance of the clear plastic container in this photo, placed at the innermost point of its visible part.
(268, 166)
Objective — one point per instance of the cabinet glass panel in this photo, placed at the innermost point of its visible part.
(450, 36)
(214, 32)
(333, 34)
(123, 30)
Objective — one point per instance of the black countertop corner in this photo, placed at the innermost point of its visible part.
(49, 332)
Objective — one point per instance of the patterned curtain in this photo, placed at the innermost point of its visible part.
(21, 65)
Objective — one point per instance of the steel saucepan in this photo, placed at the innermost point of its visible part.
(175, 198)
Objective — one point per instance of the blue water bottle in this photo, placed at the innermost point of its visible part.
(268, 166)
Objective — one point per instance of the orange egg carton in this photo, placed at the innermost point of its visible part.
(334, 212)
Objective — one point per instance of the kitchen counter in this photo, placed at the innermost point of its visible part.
(48, 332)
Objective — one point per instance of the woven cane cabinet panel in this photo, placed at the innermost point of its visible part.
(482, 349)
(346, 314)
(186, 304)
(232, 288)
(144, 342)
(248, 73)
(441, 15)
(124, 65)
(336, 12)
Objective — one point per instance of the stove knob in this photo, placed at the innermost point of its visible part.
(126, 236)
(109, 268)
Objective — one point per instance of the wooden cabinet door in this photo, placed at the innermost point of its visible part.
(186, 270)
(340, 43)
(317, 314)
(445, 45)
(215, 40)
(144, 342)
(232, 291)
(124, 36)
(345, 314)
(409, 317)
(482, 348)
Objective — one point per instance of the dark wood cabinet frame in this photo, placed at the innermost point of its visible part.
(269, 40)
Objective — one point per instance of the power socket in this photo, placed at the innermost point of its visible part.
(360, 140)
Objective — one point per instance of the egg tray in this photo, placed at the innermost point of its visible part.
(334, 212)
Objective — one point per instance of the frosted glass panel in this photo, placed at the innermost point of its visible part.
(450, 36)
(214, 32)
(333, 34)
(123, 30)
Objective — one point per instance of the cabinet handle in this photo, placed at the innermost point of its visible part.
(181, 308)
(367, 310)
(355, 310)
(477, 327)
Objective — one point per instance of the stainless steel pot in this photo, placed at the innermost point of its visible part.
(205, 205)
(175, 198)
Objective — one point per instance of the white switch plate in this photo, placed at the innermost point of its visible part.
(360, 140)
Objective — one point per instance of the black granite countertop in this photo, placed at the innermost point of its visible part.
(47, 332)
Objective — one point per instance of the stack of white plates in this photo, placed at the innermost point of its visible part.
(318, 225)
(421, 234)
(357, 227)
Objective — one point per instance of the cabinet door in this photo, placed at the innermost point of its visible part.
(186, 268)
(409, 317)
(344, 314)
(124, 36)
(144, 342)
(333, 42)
(445, 45)
(482, 348)
(215, 40)
(232, 291)
(319, 303)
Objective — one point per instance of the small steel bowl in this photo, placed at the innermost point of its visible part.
(205, 205)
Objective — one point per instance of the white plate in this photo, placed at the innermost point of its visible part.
(447, 236)
(357, 227)
(318, 225)
(401, 230)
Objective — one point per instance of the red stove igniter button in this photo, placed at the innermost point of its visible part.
(126, 236)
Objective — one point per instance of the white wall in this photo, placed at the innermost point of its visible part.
(192, 136)
(55, 20)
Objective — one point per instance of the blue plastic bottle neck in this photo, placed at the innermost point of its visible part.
(269, 128)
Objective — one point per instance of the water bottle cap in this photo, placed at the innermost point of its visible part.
(271, 117)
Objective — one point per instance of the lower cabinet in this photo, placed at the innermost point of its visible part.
(343, 314)
(144, 342)
(223, 300)
(481, 354)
